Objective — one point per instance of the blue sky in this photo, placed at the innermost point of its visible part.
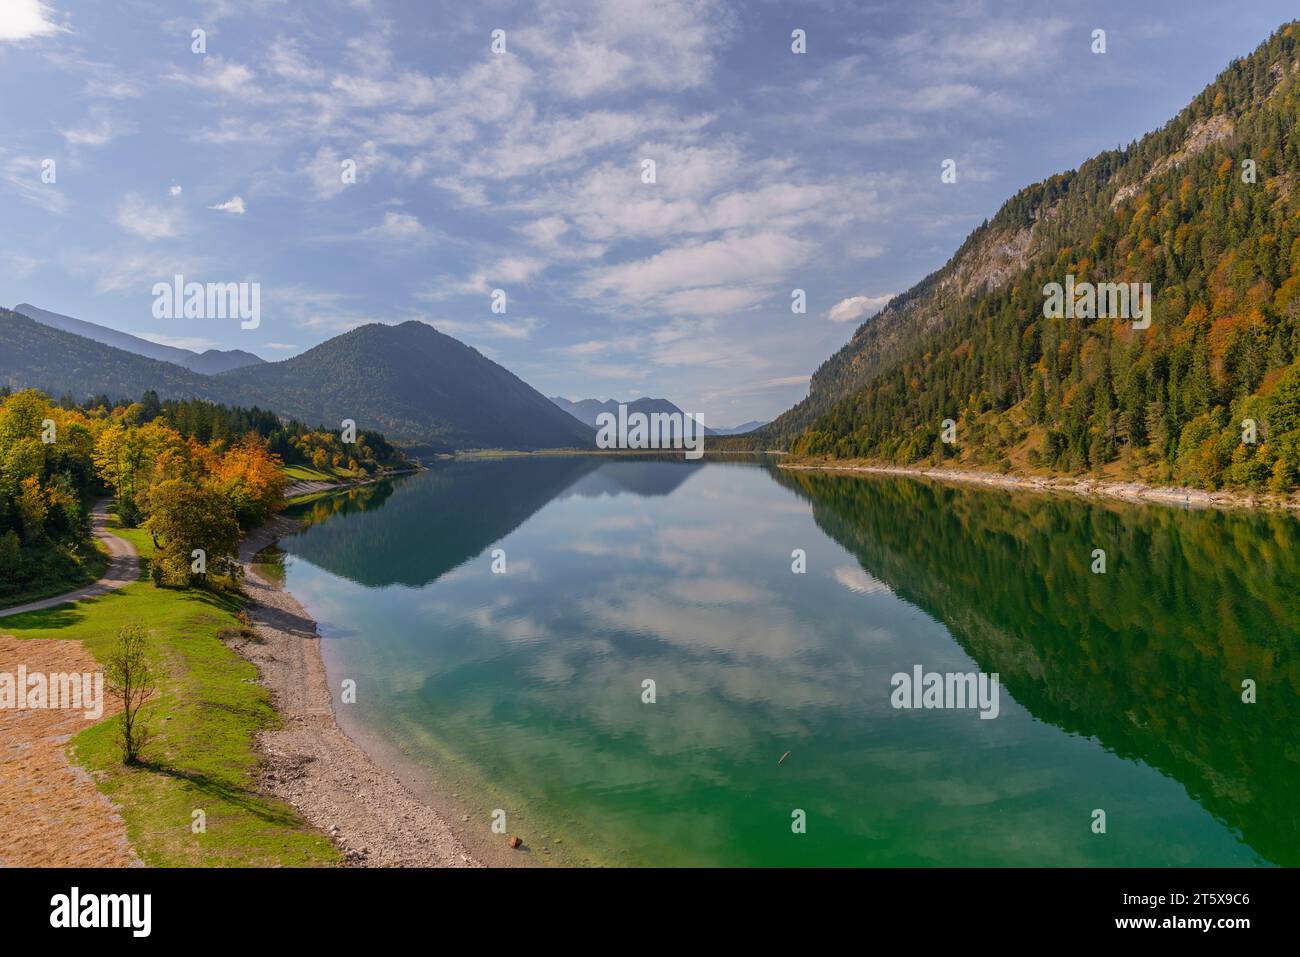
(522, 170)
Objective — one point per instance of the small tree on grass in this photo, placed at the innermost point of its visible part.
(131, 681)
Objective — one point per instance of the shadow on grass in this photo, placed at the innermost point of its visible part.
(60, 616)
(75, 612)
(227, 601)
(256, 804)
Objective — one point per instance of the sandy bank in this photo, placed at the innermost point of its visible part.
(1091, 488)
(313, 765)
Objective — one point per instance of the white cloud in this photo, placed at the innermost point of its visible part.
(218, 75)
(23, 266)
(233, 205)
(232, 130)
(491, 328)
(735, 260)
(320, 309)
(175, 189)
(111, 90)
(528, 144)
(503, 273)
(593, 48)
(516, 269)
(961, 47)
(753, 388)
(554, 236)
(23, 175)
(712, 300)
(144, 219)
(286, 61)
(98, 132)
(469, 194)
(24, 19)
(398, 228)
(846, 310)
(865, 250)
(132, 270)
(324, 170)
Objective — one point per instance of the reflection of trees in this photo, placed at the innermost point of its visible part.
(345, 502)
(431, 522)
(1148, 658)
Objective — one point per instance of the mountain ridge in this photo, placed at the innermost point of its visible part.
(408, 381)
(586, 411)
(208, 362)
(1180, 208)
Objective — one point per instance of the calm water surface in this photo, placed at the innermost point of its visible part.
(523, 690)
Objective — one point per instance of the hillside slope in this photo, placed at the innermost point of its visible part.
(411, 382)
(208, 363)
(34, 354)
(1177, 210)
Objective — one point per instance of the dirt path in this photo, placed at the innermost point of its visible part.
(310, 762)
(51, 813)
(123, 568)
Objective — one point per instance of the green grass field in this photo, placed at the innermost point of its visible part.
(203, 755)
(309, 473)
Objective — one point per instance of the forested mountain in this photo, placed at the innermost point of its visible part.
(410, 382)
(210, 362)
(1207, 211)
(35, 355)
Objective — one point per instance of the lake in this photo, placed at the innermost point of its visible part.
(501, 619)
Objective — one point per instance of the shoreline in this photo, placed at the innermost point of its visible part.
(305, 487)
(1086, 488)
(310, 762)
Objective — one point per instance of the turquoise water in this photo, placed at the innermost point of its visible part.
(524, 690)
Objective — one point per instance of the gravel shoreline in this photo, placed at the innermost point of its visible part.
(312, 764)
(1088, 488)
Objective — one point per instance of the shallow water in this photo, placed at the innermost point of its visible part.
(1119, 692)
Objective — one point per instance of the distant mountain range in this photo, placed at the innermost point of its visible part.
(742, 428)
(409, 381)
(586, 411)
(208, 363)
